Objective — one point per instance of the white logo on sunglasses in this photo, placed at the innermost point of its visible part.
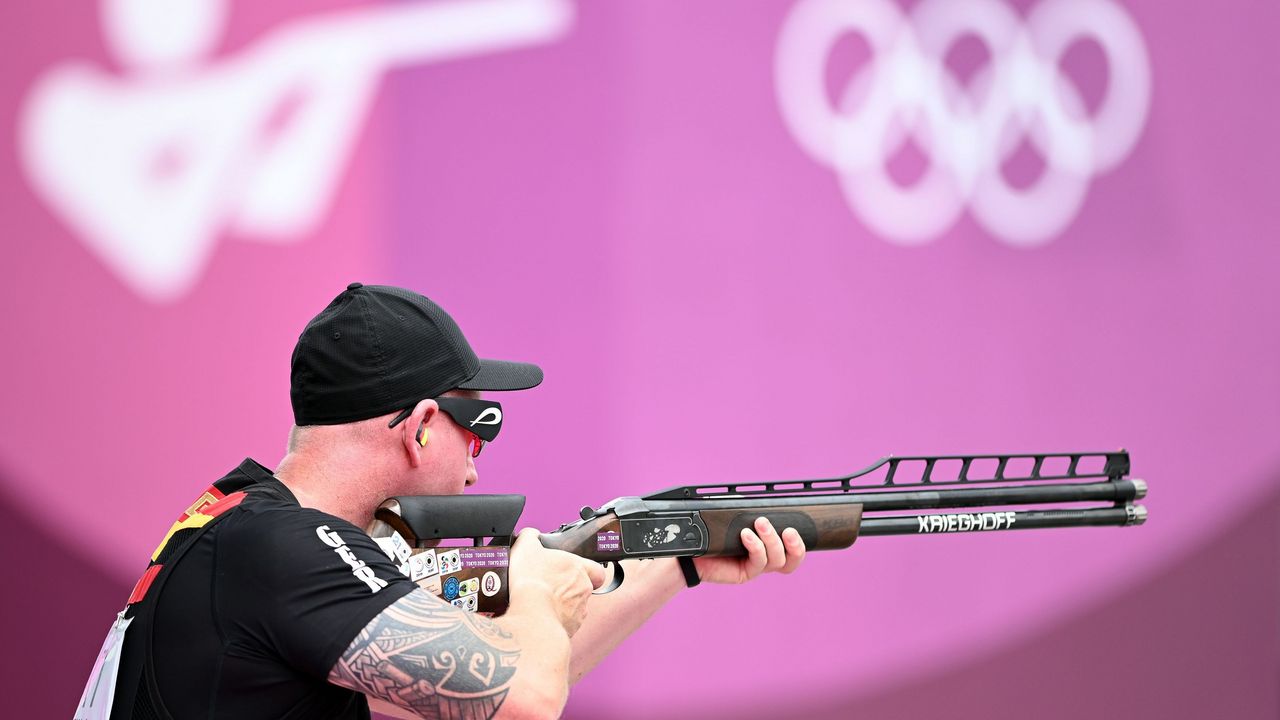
(494, 412)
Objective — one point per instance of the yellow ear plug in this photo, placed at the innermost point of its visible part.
(422, 436)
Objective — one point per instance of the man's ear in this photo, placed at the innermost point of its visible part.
(415, 426)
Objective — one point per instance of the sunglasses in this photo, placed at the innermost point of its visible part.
(481, 418)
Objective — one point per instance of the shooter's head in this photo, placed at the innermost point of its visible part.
(390, 354)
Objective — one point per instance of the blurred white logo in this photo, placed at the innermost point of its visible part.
(148, 168)
(905, 92)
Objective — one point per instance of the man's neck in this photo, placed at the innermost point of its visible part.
(328, 486)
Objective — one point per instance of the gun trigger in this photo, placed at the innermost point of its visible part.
(615, 582)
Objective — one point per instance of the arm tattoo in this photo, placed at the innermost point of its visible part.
(422, 654)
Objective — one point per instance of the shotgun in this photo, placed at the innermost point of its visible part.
(916, 495)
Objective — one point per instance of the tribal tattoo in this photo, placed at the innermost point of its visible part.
(422, 654)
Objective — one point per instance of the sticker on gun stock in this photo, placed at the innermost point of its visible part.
(450, 562)
(491, 584)
(400, 547)
(387, 547)
(422, 565)
(431, 584)
(609, 541)
(966, 522)
(483, 557)
(468, 603)
(470, 586)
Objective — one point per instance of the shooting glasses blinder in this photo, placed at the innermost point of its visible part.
(482, 418)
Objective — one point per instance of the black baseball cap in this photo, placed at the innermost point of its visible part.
(377, 349)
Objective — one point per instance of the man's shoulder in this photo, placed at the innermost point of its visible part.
(266, 515)
(269, 513)
(270, 540)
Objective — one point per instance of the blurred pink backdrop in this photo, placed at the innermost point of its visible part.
(619, 192)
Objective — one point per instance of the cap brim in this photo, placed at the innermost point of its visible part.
(503, 375)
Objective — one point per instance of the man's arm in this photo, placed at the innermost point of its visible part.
(651, 583)
(425, 656)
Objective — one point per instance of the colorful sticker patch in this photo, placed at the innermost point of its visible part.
(422, 565)
(467, 603)
(483, 557)
(491, 584)
(608, 541)
(470, 586)
(451, 588)
(450, 562)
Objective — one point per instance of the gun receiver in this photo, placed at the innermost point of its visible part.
(890, 497)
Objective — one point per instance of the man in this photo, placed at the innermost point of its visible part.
(267, 600)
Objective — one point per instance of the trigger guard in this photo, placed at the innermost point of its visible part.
(615, 582)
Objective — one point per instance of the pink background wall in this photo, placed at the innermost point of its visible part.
(622, 201)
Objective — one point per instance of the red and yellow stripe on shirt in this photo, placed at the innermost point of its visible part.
(208, 506)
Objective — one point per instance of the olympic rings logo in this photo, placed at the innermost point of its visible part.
(905, 91)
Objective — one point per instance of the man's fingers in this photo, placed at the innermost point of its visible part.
(596, 572)
(527, 534)
(775, 556)
(757, 556)
(795, 550)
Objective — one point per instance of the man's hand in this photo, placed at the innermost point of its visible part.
(562, 580)
(650, 584)
(395, 659)
(766, 552)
